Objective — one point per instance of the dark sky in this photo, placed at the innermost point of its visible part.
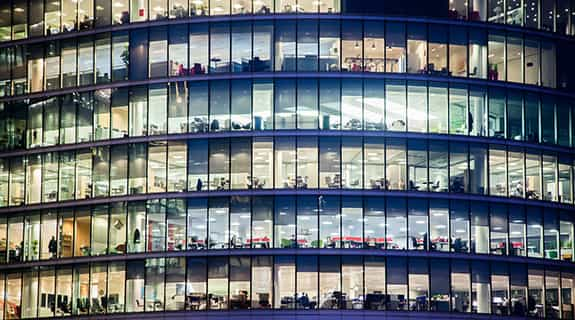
(430, 8)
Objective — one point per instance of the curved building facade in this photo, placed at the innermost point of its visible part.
(287, 159)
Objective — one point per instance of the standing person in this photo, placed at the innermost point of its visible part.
(53, 247)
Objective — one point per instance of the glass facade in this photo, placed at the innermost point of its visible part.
(292, 163)
(302, 45)
(326, 282)
(331, 221)
(35, 18)
(369, 105)
(278, 159)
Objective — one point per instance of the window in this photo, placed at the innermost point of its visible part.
(351, 220)
(218, 223)
(120, 56)
(199, 8)
(397, 281)
(352, 281)
(396, 233)
(285, 104)
(197, 224)
(458, 51)
(497, 172)
(329, 163)
(418, 225)
(69, 11)
(329, 104)
(496, 56)
(498, 230)
(241, 46)
(178, 107)
(219, 164)
(514, 116)
(197, 165)
(136, 227)
(307, 104)
(284, 282)
(395, 164)
(240, 161)
(178, 47)
(97, 286)
(68, 63)
(460, 286)
(532, 13)
(418, 281)
(307, 45)
(285, 46)
(479, 229)
(417, 49)
(417, 161)
(460, 225)
(531, 61)
(99, 245)
(262, 163)
(158, 9)
(262, 96)
(351, 104)
(154, 288)
(157, 108)
(218, 275)
(515, 173)
(139, 55)
(438, 180)
(329, 46)
(517, 225)
(480, 287)
(263, 47)
(51, 17)
(478, 54)
(395, 47)
(329, 281)
(499, 288)
(199, 47)
(86, 61)
(219, 7)
(135, 286)
(307, 163)
(351, 43)
(307, 222)
(534, 233)
(262, 225)
(82, 233)
(116, 290)
(307, 282)
(196, 282)
(352, 163)
(374, 104)
(158, 52)
(219, 47)
(438, 50)
(438, 108)
(117, 230)
(460, 118)
(496, 117)
(239, 283)
(176, 225)
(374, 167)
(395, 105)
(514, 59)
(284, 221)
(417, 106)
(548, 72)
